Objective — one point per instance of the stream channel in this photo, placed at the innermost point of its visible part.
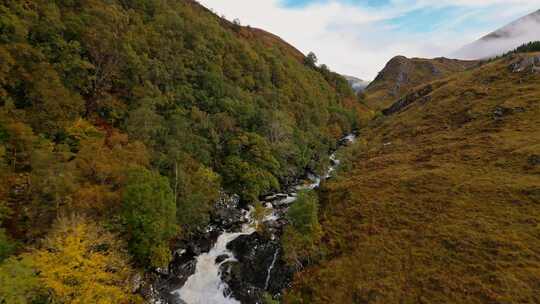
(233, 263)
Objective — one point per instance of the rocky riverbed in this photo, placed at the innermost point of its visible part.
(232, 261)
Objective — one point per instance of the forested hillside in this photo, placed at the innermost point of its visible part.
(121, 122)
(438, 201)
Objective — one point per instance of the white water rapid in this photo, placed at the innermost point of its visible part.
(205, 285)
(269, 274)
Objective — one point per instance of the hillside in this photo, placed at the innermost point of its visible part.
(123, 122)
(523, 30)
(438, 202)
(402, 74)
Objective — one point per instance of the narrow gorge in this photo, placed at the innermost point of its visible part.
(236, 242)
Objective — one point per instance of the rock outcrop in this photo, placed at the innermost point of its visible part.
(525, 63)
(402, 74)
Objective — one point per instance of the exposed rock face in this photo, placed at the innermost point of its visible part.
(525, 64)
(421, 95)
(248, 277)
(397, 70)
(401, 74)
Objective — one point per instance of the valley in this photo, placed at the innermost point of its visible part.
(439, 200)
(161, 152)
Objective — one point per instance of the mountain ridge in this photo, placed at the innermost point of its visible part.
(401, 74)
(504, 39)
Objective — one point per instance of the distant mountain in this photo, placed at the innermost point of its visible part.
(357, 84)
(402, 74)
(507, 38)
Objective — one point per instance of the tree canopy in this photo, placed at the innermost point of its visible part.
(139, 114)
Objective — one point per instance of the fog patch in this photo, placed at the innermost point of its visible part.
(522, 31)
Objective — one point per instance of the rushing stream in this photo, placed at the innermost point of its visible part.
(205, 285)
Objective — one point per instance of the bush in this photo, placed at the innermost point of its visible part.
(301, 237)
(19, 282)
(533, 46)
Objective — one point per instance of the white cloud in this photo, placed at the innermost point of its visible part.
(352, 40)
(508, 38)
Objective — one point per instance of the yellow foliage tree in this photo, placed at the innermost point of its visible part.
(82, 263)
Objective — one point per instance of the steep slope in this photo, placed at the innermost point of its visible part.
(523, 30)
(402, 74)
(137, 115)
(438, 202)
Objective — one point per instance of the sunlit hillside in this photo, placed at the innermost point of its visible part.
(439, 201)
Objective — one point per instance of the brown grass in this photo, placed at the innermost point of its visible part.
(382, 92)
(441, 203)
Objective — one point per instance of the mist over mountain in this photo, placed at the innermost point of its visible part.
(521, 31)
(357, 84)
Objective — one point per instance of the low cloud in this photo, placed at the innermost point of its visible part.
(358, 40)
(504, 40)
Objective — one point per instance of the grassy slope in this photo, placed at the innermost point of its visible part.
(441, 203)
(386, 88)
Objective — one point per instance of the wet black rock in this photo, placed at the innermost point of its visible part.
(247, 277)
(180, 269)
(201, 243)
(227, 214)
(182, 266)
(222, 258)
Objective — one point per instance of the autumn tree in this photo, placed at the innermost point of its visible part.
(7, 246)
(103, 164)
(78, 262)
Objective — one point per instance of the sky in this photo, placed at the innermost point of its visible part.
(358, 37)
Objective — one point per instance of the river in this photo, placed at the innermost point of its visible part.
(205, 285)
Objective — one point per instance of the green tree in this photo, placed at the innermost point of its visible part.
(311, 60)
(251, 168)
(197, 189)
(301, 237)
(19, 282)
(7, 246)
(149, 213)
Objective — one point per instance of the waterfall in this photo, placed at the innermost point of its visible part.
(205, 285)
(270, 269)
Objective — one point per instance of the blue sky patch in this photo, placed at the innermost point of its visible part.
(364, 3)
